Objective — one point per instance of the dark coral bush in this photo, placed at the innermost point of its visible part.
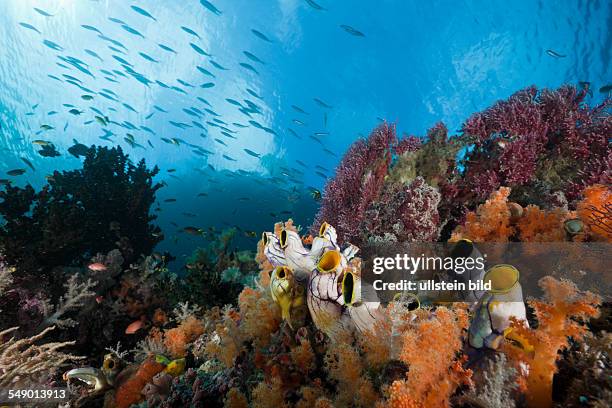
(80, 213)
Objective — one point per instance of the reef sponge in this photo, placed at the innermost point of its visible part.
(130, 391)
(561, 314)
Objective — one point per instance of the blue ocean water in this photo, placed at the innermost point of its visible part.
(294, 81)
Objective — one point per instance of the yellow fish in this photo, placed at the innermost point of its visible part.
(175, 367)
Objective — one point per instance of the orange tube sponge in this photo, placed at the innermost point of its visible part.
(129, 392)
(560, 315)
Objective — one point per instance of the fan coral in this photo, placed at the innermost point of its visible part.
(413, 209)
(596, 211)
(560, 315)
(358, 180)
(24, 363)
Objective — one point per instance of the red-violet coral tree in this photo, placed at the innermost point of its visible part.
(358, 180)
(546, 145)
(545, 138)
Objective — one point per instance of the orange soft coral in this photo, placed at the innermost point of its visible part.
(177, 339)
(129, 392)
(560, 315)
(304, 357)
(595, 210)
(344, 364)
(259, 316)
(235, 399)
(430, 348)
(490, 222)
(269, 395)
(541, 226)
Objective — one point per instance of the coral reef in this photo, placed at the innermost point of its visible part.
(290, 325)
(547, 146)
(216, 273)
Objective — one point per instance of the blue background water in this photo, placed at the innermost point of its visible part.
(417, 63)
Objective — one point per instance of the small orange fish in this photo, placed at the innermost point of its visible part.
(307, 239)
(97, 267)
(134, 327)
(99, 299)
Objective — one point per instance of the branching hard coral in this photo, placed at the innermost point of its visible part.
(561, 314)
(431, 348)
(24, 363)
(184, 310)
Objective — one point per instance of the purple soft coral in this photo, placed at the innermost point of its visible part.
(357, 182)
(535, 135)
